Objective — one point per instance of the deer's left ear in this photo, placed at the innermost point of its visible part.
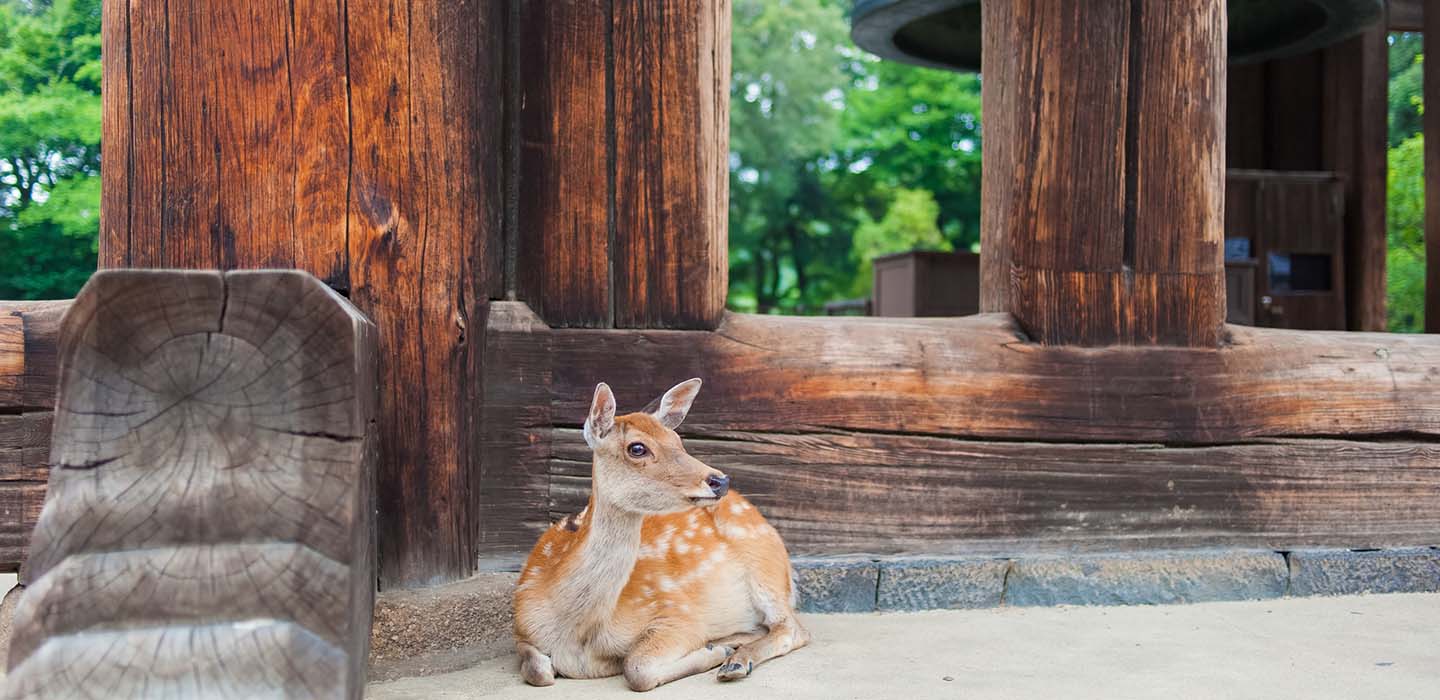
(675, 404)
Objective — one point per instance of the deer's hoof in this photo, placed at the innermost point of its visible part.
(735, 670)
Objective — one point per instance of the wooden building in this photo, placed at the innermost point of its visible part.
(528, 197)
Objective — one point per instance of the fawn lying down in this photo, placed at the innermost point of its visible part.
(665, 574)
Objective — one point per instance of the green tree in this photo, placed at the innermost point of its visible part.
(1407, 85)
(1405, 238)
(49, 146)
(909, 224)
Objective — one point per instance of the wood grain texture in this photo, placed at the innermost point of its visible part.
(512, 482)
(671, 124)
(1093, 233)
(976, 377)
(848, 493)
(29, 335)
(358, 141)
(415, 269)
(564, 245)
(1432, 177)
(208, 528)
(1356, 114)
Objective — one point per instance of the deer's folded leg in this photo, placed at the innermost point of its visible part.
(785, 636)
(665, 656)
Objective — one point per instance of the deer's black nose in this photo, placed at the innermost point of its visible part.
(719, 484)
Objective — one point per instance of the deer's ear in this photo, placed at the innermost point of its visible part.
(675, 404)
(602, 415)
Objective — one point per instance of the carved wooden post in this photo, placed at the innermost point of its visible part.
(1104, 169)
(209, 525)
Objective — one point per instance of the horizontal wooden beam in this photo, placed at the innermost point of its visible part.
(846, 493)
(926, 435)
(28, 334)
(978, 377)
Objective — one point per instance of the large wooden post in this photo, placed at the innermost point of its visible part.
(1104, 169)
(623, 174)
(360, 142)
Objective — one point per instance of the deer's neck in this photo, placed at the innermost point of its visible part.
(606, 557)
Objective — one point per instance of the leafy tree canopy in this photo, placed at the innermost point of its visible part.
(49, 146)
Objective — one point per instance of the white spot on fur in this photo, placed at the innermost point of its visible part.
(548, 547)
(682, 547)
(737, 508)
(666, 584)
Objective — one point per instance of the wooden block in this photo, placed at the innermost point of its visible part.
(28, 335)
(208, 529)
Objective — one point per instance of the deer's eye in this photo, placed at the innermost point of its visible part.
(637, 450)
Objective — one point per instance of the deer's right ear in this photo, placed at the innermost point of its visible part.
(602, 415)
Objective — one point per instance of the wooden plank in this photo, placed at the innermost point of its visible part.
(565, 171)
(1432, 178)
(20, 504)
(511, 482)
(977, 377)
(1105, 240)
(1355, 116)
(1304, 217)
(843, 493)
(672, 88)
(417, 202)
(29, 333)
(211, 505)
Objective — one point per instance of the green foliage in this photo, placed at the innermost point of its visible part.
(837, 156)
(1405, 238)
(1407, 86)
(49, 146)
(909, 224)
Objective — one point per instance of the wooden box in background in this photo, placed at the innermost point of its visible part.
(921, 283)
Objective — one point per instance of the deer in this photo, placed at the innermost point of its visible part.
(666, 573)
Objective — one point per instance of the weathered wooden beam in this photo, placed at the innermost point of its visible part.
(942, 404)
(1405, 15)
(28, 334)
(979, 377)
(1101, 220)
(208, 529)
(361, 142)
(875, 493)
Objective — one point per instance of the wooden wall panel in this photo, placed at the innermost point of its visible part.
(29, 365)
(361, 142)
(672, 90)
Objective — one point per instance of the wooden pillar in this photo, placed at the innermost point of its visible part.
(1104, 169)
(623, 176)
(360, 142)
(1432, 170)
(1355, 146)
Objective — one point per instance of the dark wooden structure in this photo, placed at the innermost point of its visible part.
(208, 529)
(925, 283)
(529, 197)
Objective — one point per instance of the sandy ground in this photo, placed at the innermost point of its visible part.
(1370, 647)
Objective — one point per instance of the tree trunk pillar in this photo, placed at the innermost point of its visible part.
(1104, 170)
